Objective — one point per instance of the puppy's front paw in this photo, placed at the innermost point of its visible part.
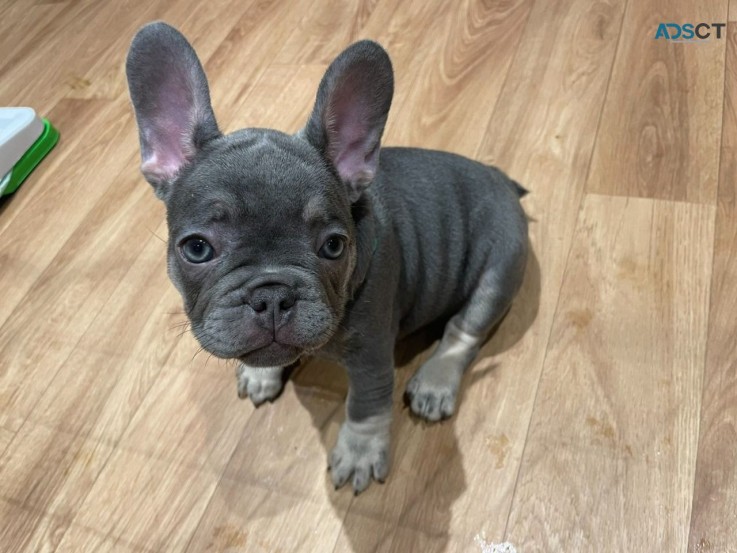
(259, 383)
(432, 394)
(361, 453)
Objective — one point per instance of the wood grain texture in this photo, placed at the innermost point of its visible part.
(155, 505)
(6, 436)
(459, 76)
(77, 538)
(666, 143)
(50, 471)
(113, 359)
(610, 455)
(68, 51)
(28, 22)
(247, 50)
(600, 416)
(276, 477)
(28, 531)
(202, 22)
(714, 516)
(323, 31)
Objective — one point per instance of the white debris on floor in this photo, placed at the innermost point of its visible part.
(487, 547)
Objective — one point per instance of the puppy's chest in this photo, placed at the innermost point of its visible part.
(338, 349)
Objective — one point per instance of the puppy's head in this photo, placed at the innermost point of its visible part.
(262, 232)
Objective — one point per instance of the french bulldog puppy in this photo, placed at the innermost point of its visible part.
(321, 243)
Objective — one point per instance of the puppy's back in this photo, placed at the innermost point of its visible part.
(453, 216)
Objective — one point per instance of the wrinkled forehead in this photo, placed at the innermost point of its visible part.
(262, 176)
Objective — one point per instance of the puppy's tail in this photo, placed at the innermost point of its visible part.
(521, 190)
(498, 173)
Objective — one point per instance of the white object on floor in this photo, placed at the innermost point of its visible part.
(5, 181)
(19, 129)
(486, 547)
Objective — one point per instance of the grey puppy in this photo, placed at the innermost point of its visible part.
(320, 244)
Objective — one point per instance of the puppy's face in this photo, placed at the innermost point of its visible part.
(261, 247)
(262, 241)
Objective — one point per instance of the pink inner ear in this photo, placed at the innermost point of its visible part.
(352, 147)
(168, 135)
(159, 169)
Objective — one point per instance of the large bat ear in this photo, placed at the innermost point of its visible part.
(350, 113)
(171, 99)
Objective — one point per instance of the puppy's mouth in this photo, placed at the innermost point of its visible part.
(270, 355)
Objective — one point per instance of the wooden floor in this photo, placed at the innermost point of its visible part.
(602, 416)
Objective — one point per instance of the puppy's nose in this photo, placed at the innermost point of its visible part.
(272, 303)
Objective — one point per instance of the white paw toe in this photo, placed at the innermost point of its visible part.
(259, 384)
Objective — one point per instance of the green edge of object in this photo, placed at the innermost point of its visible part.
(26, 164)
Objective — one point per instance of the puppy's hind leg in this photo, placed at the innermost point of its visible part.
(432, 391)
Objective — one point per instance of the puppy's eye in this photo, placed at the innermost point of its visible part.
(197, 250)
(333, 247)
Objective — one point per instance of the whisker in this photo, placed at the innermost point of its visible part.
(183, 332)
(200, 349)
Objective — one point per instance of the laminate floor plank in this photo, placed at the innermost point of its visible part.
(611, 452)
(714, 515)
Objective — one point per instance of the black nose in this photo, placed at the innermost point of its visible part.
(272, 303)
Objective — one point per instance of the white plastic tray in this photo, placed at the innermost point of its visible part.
(19, 129)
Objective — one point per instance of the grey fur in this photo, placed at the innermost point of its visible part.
(428, 235)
